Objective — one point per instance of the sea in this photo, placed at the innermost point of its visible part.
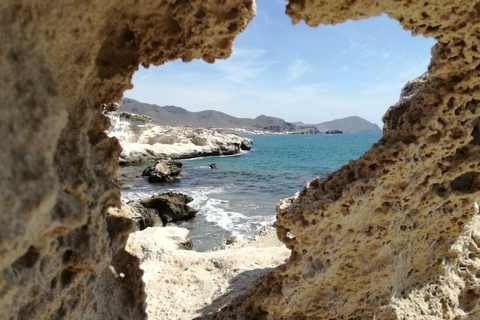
(240, 196)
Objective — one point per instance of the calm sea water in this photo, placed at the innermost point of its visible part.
(240, 196)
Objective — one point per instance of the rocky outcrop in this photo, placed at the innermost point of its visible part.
(161, 209)
(306, 131)
(120, 184)
(163, 170)
(394, 235)
(142, 141)
(184, 284)
(144, 217)
(62, 250)
(333, 131)
(246, 144)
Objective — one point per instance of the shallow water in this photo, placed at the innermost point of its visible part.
(240, 196)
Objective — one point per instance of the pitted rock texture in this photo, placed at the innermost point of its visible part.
(62, 251)
(394, 235)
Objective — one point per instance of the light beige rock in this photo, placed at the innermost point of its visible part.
(61, 252)
(184, 284)
(394, 234)
(151, 240)
(266, 238)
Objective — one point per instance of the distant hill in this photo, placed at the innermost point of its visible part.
(348, 124)
(176, 116)
(272, 124)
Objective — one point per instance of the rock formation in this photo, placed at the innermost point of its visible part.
(164, 170)
(161, 209)
(184, 284)
(142, 141)
(394, 235)
(246, 144)
(62, 253)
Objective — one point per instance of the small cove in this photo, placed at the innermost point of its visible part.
(240, 196)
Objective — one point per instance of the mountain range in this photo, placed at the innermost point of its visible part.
(177, 116)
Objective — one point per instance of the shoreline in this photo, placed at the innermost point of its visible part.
(143, 142)
(184, 284)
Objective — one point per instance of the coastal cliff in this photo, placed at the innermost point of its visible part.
(142, 141)
(394, 235)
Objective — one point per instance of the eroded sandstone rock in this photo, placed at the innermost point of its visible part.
(183, 284)
(393, 235)
(62, 252)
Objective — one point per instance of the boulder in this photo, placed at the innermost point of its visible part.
(164, 170)
(144, 217)
(120, 184)
(246, 144)
(161, 209)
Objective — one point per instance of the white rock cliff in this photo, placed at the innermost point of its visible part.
(142, 141)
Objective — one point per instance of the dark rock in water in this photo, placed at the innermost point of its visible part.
(161, 209)
(246, 144)
(144, 217)
(306, 131)
(119, 182)
(333, 131)
(213, 166)
(163, 170)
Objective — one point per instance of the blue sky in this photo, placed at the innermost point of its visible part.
(297, 73)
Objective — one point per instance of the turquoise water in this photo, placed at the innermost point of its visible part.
(320, 153)
(240, 196)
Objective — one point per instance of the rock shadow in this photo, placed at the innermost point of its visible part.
(237, 287)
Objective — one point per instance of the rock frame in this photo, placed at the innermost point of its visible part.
(394, 235)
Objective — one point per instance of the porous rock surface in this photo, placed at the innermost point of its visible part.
(393, 235)
(62, 251)
(396, 234)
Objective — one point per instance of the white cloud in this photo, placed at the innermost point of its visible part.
(296, 69)
(243, 65)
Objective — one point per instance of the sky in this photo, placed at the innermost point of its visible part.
(295, 72)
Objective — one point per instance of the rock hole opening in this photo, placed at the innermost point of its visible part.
(28, 260)
(465, 183)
